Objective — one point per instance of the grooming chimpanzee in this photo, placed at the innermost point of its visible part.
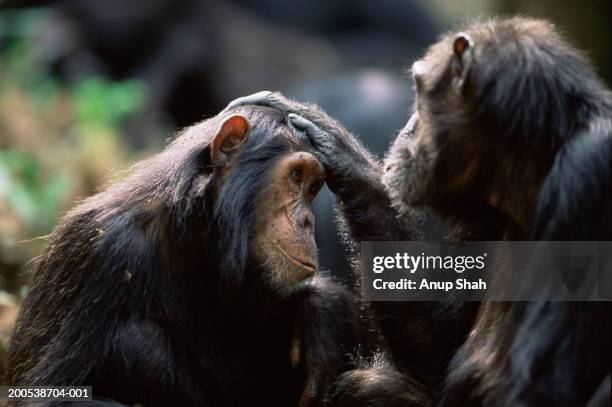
(511, 139)
(192, 282)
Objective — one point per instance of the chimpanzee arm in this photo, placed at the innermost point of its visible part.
(353, 174)
(326, 335)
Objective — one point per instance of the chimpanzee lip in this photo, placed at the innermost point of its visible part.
(303, 264)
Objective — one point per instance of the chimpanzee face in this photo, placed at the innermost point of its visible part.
(433, 156)
(270, 174)
(489, 119)
(284, 232)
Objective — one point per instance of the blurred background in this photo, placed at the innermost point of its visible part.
(87, 87)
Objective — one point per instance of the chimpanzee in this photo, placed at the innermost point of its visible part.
(193, 281)
(511, 139)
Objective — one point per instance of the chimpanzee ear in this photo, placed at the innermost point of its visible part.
(463, 52)
(232, 133)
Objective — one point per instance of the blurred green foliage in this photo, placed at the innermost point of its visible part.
(103, 103)
(57, 141)
(33, 193)
(34, 198)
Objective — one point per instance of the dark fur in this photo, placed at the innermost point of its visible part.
(379, 386)
(549, 353)
(147, 294)
(576, 198)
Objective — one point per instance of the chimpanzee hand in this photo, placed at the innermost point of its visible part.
(340, 158)
(350, 167)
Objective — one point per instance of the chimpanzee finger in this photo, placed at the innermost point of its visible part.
(253, 99)
(312, 131)
(264, 98)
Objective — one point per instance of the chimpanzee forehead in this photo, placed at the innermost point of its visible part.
(290, 139)
(298, 139)
(275, 129)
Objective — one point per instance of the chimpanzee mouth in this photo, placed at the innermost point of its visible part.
(305, 265)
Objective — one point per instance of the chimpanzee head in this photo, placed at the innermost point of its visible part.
(265, 182)
(493, 105)
(228, 197)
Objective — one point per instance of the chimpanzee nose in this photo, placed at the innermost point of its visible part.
(306, 220)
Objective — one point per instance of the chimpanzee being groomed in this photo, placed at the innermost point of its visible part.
(511, 139)
(192, 282)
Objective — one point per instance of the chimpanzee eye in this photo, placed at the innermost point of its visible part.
(296, 174)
